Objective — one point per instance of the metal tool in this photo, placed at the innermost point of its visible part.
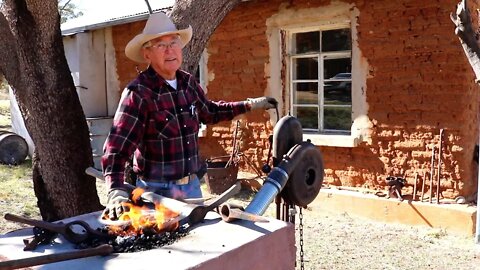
(40, 236)
(98, 174)
(432, 173)
(231, 212)
(76, 231)
(415, 187)
(234, 146)
(190, 213)
(439, 164)
(57, 257)
(423, 184)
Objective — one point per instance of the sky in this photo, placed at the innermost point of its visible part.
(98, 10)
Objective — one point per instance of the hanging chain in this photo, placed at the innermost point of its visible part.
(300, 229)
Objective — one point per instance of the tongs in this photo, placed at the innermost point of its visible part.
(77, 235)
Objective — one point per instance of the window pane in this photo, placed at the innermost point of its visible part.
(336, 40)
(338, 118)
(337, 68)
(338, 93)
(305, 68)
(306, 42)
(305, 93)
(308, 117)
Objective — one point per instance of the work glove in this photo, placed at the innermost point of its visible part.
(116, 204)
(262, 103)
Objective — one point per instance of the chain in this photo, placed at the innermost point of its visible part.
(300, 229)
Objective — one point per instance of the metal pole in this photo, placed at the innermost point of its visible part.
(149, 7)
(477, 229)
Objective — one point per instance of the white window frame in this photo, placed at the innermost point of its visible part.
(321, 57)
(203, 71)
(327, 20)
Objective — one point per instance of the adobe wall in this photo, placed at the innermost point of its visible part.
(419, 81)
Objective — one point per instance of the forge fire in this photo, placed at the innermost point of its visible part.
(142, 227)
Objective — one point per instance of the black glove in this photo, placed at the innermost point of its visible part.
(116, 204)
(262, 103)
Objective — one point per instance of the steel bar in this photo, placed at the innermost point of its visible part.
(423, 184)
(415, 187)
(191, 213)
(432, 173)
(98, 174)
(234, 144)
(231, 212)
(57, 257)
(439, 167)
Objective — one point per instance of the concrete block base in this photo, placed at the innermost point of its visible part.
(211, 245)
(456, 218)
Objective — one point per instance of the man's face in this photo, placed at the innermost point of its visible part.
(165, 55)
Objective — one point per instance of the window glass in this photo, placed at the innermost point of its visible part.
(306, 42)
(305, 68)
(305, 93)
(337, 68)
(308, 117)
(337, 93)
(321, 92)
(336, 40)
(338, 118)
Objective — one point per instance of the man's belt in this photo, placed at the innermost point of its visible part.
(184, 180)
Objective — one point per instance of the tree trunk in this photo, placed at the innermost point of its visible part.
(204, 16)
(33, 61)
(468, 37)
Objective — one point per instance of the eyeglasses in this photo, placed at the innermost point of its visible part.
(162, 46)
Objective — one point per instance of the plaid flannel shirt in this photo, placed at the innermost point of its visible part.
(159, 125)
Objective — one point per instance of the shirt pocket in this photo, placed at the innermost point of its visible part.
(191, 121)
(165, 125)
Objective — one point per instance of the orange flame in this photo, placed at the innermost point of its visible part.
(141, 218)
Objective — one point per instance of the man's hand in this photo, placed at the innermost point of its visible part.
(116, 204)
(262, 103)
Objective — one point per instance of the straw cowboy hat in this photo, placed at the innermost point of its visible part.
(158, 25)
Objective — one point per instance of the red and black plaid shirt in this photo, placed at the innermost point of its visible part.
(160, 126)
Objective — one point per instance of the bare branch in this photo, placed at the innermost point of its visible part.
(196, 14)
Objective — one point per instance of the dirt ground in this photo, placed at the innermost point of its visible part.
(339, 241)
(335, 240)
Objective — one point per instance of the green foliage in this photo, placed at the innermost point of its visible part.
(68, 10)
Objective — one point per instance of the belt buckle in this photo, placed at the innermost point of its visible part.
(184, 180)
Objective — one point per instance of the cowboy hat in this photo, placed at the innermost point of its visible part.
(158, 25)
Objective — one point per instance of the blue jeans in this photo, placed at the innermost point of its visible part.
(168, 189)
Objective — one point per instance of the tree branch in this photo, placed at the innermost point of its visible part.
(467, 36)
(204, 17)
(8, 55)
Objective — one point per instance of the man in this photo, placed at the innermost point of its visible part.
(158, 119)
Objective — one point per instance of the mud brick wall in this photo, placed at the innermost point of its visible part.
(419, 81)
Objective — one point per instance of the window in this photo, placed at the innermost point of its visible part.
(318, 73)
(201, 78)
(320, 64)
